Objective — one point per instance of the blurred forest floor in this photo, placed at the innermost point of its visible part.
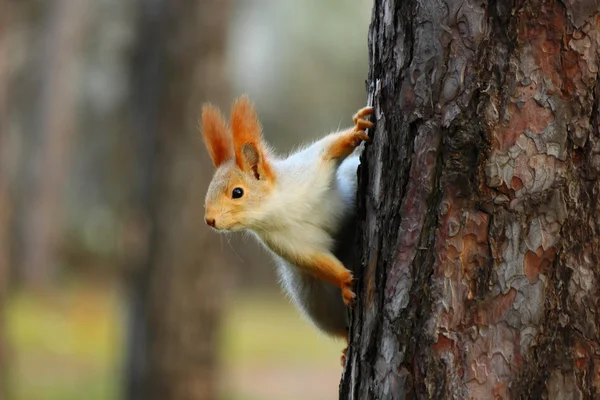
(68, 344)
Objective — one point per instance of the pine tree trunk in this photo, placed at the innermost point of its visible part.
(177, 292)
(479, 203)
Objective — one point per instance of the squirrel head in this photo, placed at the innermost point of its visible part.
(244, 178)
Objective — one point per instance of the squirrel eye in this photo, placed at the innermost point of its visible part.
(237, 193)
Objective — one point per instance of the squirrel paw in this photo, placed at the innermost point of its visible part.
(347, 293)
(360, 123)
(343, 357)
(359, 136)
(348, 296)
(345, 144)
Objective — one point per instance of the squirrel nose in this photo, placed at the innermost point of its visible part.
(210, 222)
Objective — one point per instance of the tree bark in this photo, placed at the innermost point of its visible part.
(54, 132)
(479, 203)
(177, 294)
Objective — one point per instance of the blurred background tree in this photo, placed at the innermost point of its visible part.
(104, 168)
(4, 206)
(178, 64)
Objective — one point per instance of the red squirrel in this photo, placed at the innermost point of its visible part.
(301, 207)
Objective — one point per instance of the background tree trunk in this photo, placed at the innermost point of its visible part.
(480, 270)
(54, 116)
(178, 64)
(4, 203)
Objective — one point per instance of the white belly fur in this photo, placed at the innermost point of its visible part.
(320, 301)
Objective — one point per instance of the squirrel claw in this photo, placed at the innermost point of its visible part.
(343, 357)
(361, 136)
(348, 296)
(360, 121)
(360, 114)
(363, 124)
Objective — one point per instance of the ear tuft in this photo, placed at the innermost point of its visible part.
(244, 124)
(248, 144)
(216, 134)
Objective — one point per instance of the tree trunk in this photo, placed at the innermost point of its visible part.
(54, 131)
(480, 270)
(178, 64)
(4, 203)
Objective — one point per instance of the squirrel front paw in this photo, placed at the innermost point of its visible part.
(347, 294)
(360, 123)
(357, 137)
(346, 141)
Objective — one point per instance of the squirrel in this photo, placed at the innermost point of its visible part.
(301, 208)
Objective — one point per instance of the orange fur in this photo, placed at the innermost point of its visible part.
(329, 269)
(345, 143)
(246, 128)
(216, 134)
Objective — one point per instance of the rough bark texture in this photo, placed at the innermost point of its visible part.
(479, 200)
(178, 64)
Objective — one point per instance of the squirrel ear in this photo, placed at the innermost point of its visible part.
(216, 134)
(251, 159)
(248, 144)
